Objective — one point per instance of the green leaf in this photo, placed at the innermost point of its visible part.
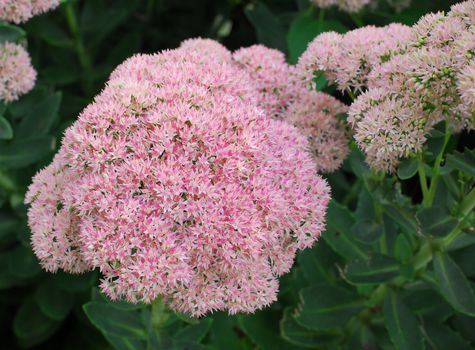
(23, 263)
(326, 306)
(401, 324)
(125, 343)
(378, 269)
(268, 28)
(402, 249)
(339, 236)
(31, 325)
(55, 303)
(262, 328)
(224, 335)
(320, 80)
(464, 259)
(26, 152)
(367, 231)
(442, 337)
(39, 120)
(319, 263)
(463, 161)
(453, 284)
(196, 332)
(408, 168)
(74, 283)
(297, 335)
(436, 221)
(111, 320)
(306, 27)
(402, 217)
(362, 338)
(427, 303)
(6, 131)
(48, 30)
(11, 33)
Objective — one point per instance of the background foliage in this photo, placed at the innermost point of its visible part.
(388, 273)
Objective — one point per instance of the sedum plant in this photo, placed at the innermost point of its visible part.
(215, 199)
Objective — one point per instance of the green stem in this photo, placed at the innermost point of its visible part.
(437, 166)
(160, 316)
(321, 15)
(83, 58)
(351, 94)
(423, 181)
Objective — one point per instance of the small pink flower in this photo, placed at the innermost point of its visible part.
(19, 11)
(17, 76)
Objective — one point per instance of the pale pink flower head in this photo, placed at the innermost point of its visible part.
(348, 59)
(322, 54)
(180, 186)
(387, 128)
(270, 73)
(17, 75)
(210, 49)
(19, 11)
(316, 114)
(345, 5)
(466, 86)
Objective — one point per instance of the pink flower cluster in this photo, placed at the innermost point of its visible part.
(417, 77)
(17, 76)
(345, 5)
(314, 114)
(357, 5)
(176, 183)
(348, 59)
(19, 11)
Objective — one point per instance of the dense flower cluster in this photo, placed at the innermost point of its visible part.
(416, 78)
(357, 5)
(176, 183)
(17, 76)
(270, 73)
(19, 11)
(345, 5)
(314, 114)
(348, 59)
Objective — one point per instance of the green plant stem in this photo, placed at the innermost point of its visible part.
(424, 255)
(160, 316)
(321, 15)
(351, 94)
(83, 58)
(423, 181)
(436, 170)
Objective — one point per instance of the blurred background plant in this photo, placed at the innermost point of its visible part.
(370, 283)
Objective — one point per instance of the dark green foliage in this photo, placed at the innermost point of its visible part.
(392, 271)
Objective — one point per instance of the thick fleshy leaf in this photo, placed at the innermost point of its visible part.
(300, 336)
(10, 33)
(401, 324)
(41, 118)
(22, 153)
(270, 31)
(6, 131)
(378, 269)
(339, 236)
(453, 284)
(442, 337)
(408, 168)
(463, 161)
(195, 332)
(111, 320)
(54, 302)
(325, 306)
(367, 231)
(306, 27)
(31, 325)
(436, 221)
